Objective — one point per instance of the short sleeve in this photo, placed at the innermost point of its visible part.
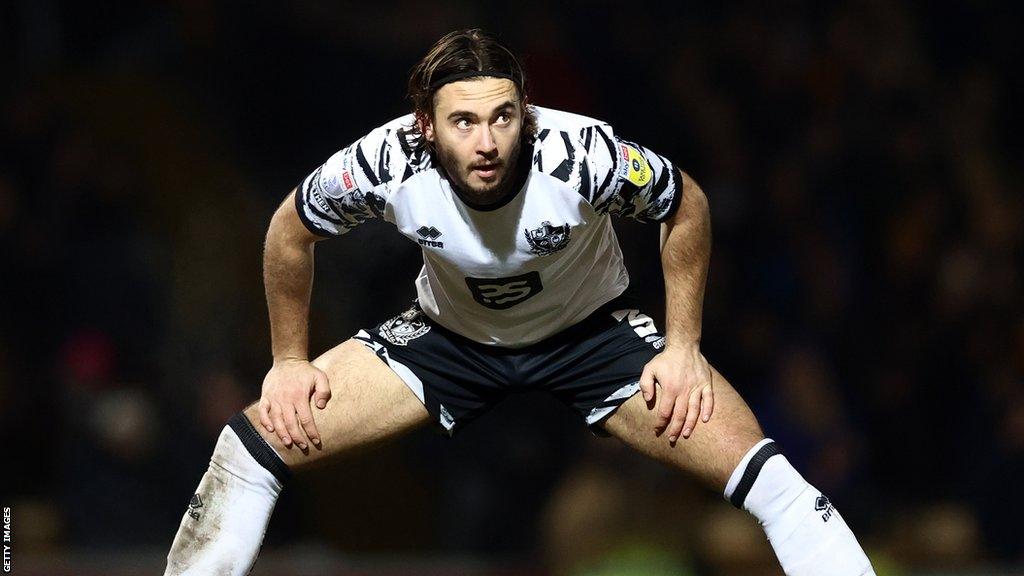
(348, 189)
(628, 179)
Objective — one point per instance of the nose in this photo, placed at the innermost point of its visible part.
(486, 145)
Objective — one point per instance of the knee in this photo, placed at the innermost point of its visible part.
(743, 437)
(259, 443)
(251, 413)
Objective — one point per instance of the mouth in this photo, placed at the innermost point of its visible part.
(487, 171)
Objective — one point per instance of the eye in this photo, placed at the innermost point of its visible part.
(462, 124)
(504, 118)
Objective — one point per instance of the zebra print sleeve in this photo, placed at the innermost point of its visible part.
(627, 179)
(350, 188)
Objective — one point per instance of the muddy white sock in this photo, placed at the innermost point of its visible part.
(808, 535)
(222, 530)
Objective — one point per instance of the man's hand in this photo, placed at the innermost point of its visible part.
(684, 377)
(285, 406)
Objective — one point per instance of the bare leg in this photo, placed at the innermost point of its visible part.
(369, 404)
(730, 453)
(714, 449)
(223, 529)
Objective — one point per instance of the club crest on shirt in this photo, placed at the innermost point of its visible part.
(547, 239)
(407, 326)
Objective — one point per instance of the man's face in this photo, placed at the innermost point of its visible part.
(475, 130)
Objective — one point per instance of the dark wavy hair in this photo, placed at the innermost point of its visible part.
(461, 53)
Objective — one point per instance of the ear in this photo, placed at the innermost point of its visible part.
(524, 100)
(426, 127)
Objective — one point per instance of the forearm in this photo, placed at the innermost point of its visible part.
(685, 251)
(288, 280)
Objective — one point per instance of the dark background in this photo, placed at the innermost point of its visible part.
(863, 163)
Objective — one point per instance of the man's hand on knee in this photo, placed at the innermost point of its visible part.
(284, 407)
(686, 392)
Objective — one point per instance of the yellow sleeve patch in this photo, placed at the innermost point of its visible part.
(638, 170)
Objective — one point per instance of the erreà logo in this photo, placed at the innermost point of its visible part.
(428, 236)
(194, 505)
(503, 293)
(823, 505)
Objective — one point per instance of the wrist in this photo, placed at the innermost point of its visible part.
(682, 343)
(290, 359)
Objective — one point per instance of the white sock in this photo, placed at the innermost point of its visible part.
(808, 535)
(222, 530)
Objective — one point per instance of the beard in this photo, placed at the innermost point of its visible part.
(482, 192)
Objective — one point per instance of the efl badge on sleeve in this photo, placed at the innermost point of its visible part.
(347, 174)
(347, 180)
(638, 170)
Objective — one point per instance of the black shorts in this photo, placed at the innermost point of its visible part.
(593, 366)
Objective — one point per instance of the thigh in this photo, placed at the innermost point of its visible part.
(714, 449)
(369, 403)
(455, 378)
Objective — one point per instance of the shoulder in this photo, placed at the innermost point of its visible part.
(562, 121)
(380, 159)
(614, 175)
(390, 149)
(402, 134)
(562, 137)
(571, 147)
(567, 136)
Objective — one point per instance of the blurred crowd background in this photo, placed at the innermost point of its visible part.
(863, 162)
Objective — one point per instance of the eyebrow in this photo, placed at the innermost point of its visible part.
(460, 113)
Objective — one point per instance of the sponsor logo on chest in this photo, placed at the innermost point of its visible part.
(503, 293)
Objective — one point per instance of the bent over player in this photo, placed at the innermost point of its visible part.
(522, 286)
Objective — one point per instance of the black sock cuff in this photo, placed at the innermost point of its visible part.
(739, 495)
(260, 450)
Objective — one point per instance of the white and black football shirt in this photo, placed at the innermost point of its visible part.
(518, 271)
